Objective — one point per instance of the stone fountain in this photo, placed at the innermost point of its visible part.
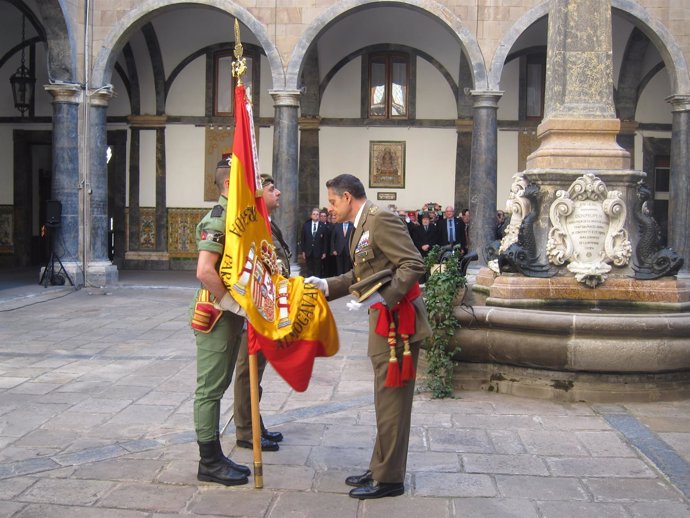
(581, 301)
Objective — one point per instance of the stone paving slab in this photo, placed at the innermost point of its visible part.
(96, 421)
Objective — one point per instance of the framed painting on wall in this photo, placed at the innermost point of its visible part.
(387, 164)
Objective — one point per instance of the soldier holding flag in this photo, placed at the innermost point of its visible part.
(218, 331)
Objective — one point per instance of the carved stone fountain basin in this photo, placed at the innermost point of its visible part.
(593, 350)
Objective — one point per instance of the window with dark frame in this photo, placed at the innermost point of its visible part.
(389, 85)
(535, 70)
(222, 83)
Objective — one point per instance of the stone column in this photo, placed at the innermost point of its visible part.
(309, 172)
(99, 270)
(483, 171)
(463, 155)
(161, 199)
(65, 182)
(134, 186)
(679, 189)
(286, 103)
(579, 129)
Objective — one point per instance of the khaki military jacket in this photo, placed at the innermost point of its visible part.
(381, 241)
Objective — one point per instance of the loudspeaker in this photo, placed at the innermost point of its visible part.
(53, 213)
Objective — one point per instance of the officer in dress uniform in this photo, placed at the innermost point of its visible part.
(218, 331)
(243, 413)
(381, 248)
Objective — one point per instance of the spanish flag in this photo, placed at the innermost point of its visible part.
(290, 322)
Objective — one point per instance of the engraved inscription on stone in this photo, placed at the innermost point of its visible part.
(588, 231)
(588, 228)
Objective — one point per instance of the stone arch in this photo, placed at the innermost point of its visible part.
(146, 10)
(469, 43)
(57, 31)
(661, 38)
(672, 55)
(509, 39)
(631, 79)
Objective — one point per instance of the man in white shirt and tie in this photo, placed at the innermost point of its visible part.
(451, 229)
(313, 245)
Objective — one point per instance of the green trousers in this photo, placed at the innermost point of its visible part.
(216, 354)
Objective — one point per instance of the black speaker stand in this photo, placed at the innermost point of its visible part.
(53, 277)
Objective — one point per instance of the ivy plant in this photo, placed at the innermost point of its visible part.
(440, 293)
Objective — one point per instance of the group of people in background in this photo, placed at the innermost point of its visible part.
(324, 244)
(431, 226)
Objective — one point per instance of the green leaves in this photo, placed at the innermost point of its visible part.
(440, 292)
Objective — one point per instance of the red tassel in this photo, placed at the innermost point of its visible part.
(393, 375)
(407, 367)
(407, 364)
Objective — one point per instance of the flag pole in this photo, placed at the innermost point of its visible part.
(256, 420)
(239, 67)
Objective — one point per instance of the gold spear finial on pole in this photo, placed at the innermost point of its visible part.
(239, 66)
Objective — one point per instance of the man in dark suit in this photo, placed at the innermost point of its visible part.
(381, 246)
(340, 246)
(425, 235)
(313, 244)
(327, 264)
(451, 230)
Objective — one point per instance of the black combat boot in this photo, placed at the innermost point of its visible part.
(213, 466)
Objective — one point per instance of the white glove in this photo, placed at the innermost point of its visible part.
(320, 283)
(375, 297)
(227, 303)
(353, 305)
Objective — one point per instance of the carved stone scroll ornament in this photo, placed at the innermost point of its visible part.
(588, 231)
(523, 256)
(517, 206)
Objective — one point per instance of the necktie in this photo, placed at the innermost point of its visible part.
(426, 228)
(451, 231)
(344, 229)
(313, 229)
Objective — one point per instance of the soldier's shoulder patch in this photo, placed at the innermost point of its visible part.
(213, 235)
(217, 211)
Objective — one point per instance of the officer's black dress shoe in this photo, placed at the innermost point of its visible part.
(266, 445)
(359, 480)
(271, 436)
(378, 490)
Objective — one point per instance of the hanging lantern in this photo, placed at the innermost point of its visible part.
(22, 81)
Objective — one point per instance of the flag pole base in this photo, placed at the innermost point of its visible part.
(258, 475)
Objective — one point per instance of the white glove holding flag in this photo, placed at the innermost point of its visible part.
(227, 303)
(320, 283)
